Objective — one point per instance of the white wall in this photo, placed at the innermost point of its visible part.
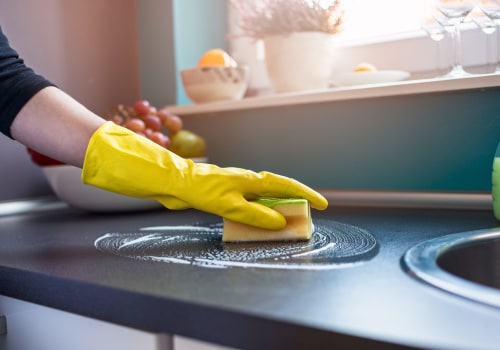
(89, 48)
(157, 54)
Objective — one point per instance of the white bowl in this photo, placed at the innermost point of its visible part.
(215, 83)
(66, 182)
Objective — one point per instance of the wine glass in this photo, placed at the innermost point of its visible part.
(438, 28)
(455, 11)
(437, 32)
(491, 8)
(488, 27)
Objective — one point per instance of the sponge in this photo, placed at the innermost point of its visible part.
(297, 213)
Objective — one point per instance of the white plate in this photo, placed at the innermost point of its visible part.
(377, 77)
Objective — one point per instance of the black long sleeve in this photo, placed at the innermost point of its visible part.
(18, 83)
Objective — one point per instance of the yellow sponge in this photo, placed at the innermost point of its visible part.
(299, 225)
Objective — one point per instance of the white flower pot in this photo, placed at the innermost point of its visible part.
(299, 61)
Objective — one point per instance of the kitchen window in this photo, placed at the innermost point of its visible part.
(368, 19)
(386, 33)
(389, 41)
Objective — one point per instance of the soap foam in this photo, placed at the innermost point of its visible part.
(332, 245)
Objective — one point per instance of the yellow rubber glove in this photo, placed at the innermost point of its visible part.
(121, 161)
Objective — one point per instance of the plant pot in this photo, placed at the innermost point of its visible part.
(299, 61)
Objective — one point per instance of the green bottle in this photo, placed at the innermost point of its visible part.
(495, 180)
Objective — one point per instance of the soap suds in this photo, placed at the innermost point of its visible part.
(333, 245)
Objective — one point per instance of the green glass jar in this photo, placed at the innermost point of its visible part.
(495, 188)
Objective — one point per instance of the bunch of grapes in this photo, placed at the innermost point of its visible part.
(160, 126)
(148, 121)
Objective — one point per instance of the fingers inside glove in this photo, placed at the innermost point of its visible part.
(284, 187)
(258, 215)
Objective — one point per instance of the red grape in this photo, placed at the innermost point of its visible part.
(152, 122)
(160, 138)
(163, 115)
(136, 125)
(148, 132)
(173, 123)
(141, 107)
(152, 110)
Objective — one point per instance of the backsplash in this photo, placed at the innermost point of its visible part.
(20, 177)
(440, 141)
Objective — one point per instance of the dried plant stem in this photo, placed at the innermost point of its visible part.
(260, 18)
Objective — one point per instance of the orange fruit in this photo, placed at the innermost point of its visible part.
(216, 57)
(364, 67)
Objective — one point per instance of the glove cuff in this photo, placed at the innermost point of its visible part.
(121, 161)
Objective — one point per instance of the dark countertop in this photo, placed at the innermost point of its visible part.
(49, 258)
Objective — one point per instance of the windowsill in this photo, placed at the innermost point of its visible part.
(411, 51)
(408, 87)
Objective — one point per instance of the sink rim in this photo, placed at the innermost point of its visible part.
(420, 261)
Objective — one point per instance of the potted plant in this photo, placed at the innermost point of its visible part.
(297, 36)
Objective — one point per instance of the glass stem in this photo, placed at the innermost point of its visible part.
(489, 48)
(498, 48)
(438, 56)
(457, 48)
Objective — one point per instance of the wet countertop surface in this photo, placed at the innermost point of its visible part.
(101, 266)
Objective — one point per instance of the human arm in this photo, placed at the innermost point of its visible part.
(39, 115)
(55, 124)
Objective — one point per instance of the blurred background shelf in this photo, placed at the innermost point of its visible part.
(407, 87)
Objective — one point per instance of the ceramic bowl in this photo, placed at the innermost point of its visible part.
(65, 181)
(215, 83)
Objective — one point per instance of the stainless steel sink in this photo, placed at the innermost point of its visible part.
(466, 264)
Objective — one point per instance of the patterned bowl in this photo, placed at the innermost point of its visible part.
(215, 83)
